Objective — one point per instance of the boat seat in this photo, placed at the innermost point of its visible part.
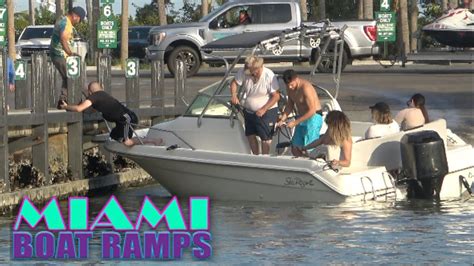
(385, 151)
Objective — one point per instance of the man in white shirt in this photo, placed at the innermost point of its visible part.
(260, 98)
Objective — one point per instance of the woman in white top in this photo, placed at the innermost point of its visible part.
(415, 115)
(383, 122)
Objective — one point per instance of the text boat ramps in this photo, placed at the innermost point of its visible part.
(207, 153)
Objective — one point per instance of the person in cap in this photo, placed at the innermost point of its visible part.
(60, 47)
(383, 122)
(260, 101)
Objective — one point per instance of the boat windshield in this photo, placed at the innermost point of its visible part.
(219, 105)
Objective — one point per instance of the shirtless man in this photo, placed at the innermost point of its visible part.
(309, 120)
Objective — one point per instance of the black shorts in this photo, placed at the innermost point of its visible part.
(122, 130)
(261, 126)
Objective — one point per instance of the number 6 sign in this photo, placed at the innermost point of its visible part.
(73, 66)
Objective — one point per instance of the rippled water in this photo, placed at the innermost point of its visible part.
(370, 233)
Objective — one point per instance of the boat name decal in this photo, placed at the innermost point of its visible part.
(297, 181)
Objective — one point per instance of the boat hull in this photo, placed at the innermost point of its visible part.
(227, 182)
(453, 38)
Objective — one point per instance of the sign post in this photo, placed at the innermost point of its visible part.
(386, 25)
(107, 27)
(132, 82)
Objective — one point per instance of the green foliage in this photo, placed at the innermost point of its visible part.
(189, 12)
(430, 10)
(44, 16)
(83, 29)
(21, 22)
(149, 14)
(335, 9)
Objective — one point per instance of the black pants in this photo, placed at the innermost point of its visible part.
(123, 129)
(60, 64)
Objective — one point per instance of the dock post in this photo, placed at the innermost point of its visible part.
(104, 72)
(3, 122)
(74, 128)
(158, 87)
(23, 85)
(54, 90)
(40, 81)
(179, 83)
(132, 83)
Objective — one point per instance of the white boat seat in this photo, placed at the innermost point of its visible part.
(385, 151)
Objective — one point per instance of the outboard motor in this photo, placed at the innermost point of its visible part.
(424, 163)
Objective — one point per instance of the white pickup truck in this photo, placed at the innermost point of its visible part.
(38, 38)
(183, 41)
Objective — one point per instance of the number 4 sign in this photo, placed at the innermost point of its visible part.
(131, 70)
(20, 70)
(385, 5)
(73, 64)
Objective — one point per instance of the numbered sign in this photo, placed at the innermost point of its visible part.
(385, 5)
(2, 2)
(73, 66)
(103, 1)
(386, 26)
(21, 70)
(131, 68)
(3, 25)
(107, 11)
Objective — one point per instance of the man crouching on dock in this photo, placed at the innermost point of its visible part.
(112, 111)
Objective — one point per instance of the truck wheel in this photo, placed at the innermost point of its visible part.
(190, 57)
(327, 62)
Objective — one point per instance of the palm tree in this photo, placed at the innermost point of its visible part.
(204, 7)
(124, 34)
(31, 9)
(59, 8)
(360, 9)
(404, 28)
(162, 12)
(304, 9)
(11, 29)
(444, 5)
(368, 9)
(413, 24)
(322, 9)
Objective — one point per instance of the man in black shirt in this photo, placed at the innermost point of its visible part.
(112, 111)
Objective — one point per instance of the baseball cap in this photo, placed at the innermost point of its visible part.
(79, 11)
(381, 107)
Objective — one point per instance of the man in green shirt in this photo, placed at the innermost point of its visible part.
(60, 49)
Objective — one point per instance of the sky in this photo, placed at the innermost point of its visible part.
(21, 5)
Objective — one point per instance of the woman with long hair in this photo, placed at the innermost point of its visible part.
(415, 115)
(338, 135)
(383, 122)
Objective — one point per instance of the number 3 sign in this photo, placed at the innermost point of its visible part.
(131, 70)
(73, 64)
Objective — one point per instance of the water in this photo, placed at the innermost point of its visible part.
(403, 232)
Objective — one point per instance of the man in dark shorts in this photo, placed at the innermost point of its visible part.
(112, 111)
(260, 87)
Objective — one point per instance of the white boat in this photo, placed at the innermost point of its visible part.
(206, 153)
(455, 28)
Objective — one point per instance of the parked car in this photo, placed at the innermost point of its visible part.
(38, 38)
(183, 41)
(137, 41)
